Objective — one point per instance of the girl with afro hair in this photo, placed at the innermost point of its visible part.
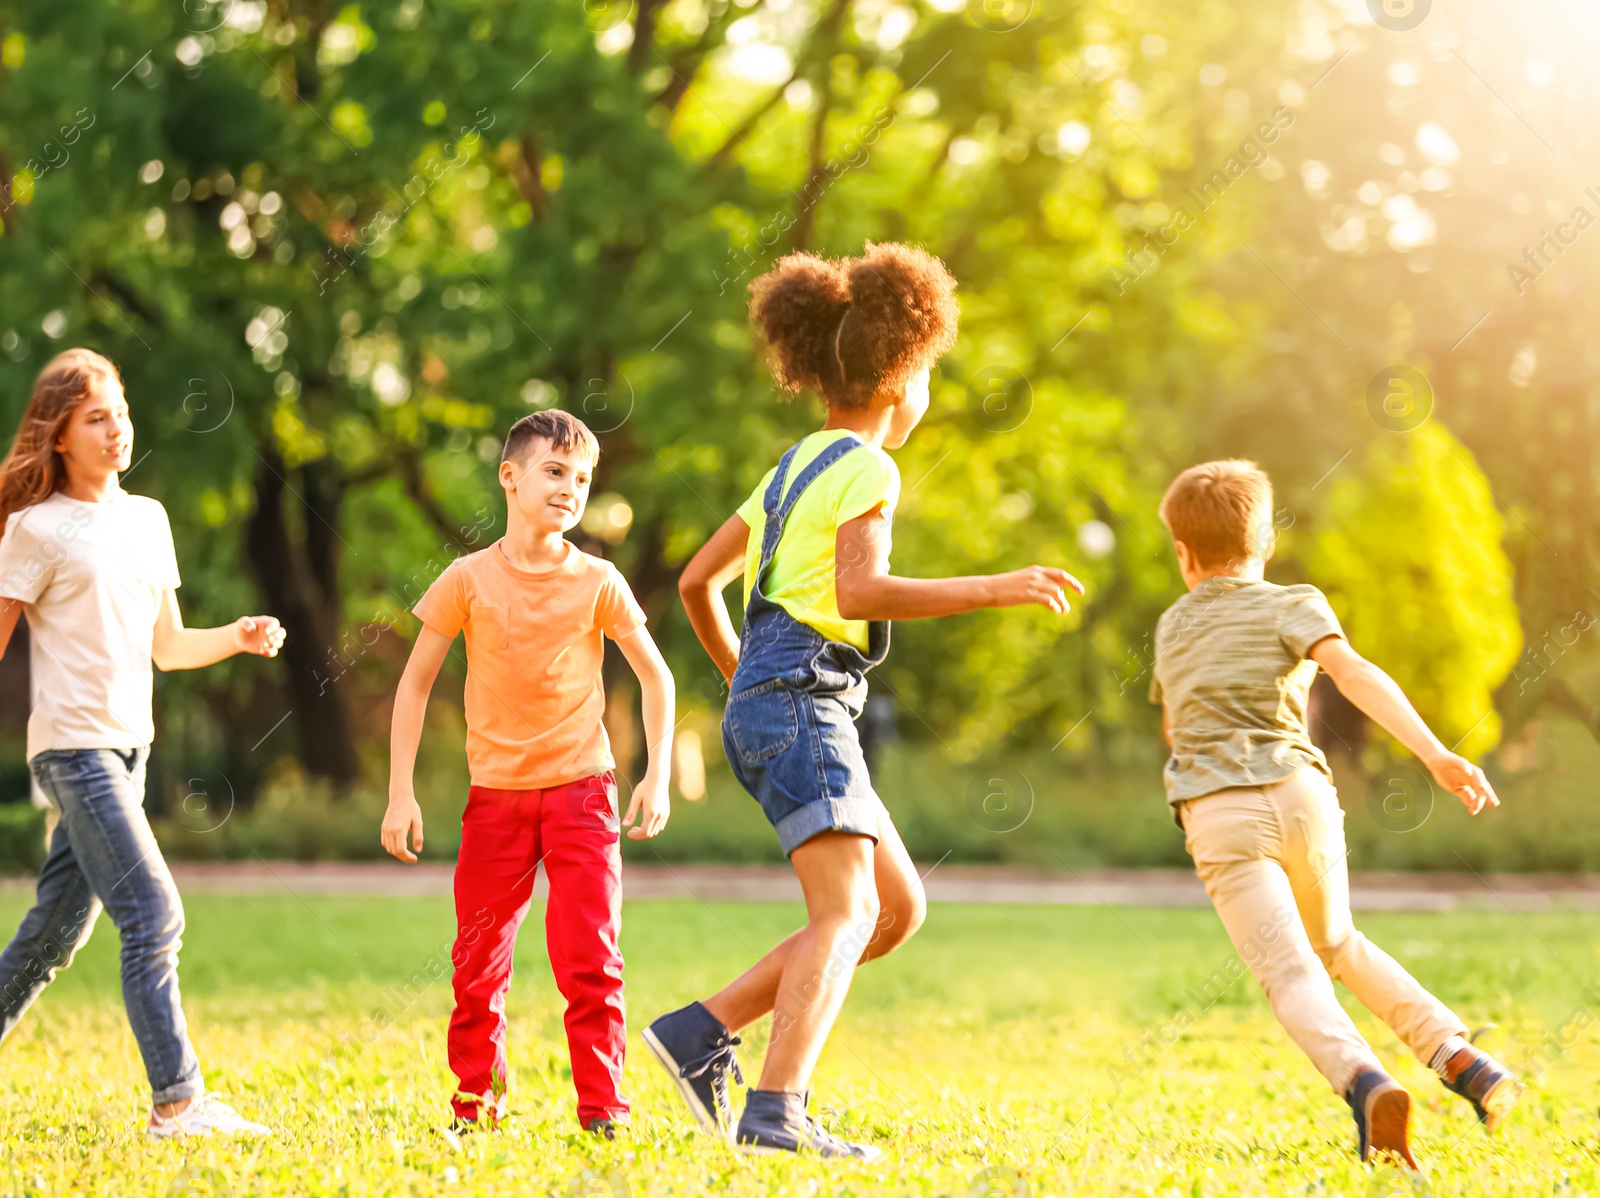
(812, 543)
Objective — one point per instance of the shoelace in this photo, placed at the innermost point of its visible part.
(721, 1057)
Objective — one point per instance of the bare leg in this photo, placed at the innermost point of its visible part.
(901, 909)
(835, 871)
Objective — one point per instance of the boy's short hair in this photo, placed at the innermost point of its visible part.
(1222, 511)
(563, 430)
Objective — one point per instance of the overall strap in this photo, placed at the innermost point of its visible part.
(778, 505)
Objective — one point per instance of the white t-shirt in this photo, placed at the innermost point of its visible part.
(91, 577)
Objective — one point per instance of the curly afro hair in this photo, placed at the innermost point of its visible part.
(852, 328)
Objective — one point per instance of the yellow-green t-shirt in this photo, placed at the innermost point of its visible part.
(800, 579)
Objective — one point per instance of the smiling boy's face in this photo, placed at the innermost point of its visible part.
(549, 487)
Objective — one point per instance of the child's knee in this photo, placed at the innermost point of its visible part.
(1336, 950)
(851, 926)
(898, 920)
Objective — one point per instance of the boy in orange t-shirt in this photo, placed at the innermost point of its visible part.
(535, 609)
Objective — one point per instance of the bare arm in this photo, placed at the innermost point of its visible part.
(175, 647)
(719, 562)
(867, 591)
(405, 733)
(651, 803)
(10, 609)
(1380, 698)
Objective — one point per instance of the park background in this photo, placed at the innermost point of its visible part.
(337, 250)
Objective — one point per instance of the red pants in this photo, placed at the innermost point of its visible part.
(505, 834)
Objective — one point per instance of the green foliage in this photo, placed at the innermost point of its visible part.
(345, 247)
(1410, 554)
(21, 838)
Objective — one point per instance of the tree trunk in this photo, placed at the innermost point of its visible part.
(300, 582)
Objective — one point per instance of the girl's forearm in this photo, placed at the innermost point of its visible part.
(1380, 698)
(709, 619)
(196, 648)
(886, 597)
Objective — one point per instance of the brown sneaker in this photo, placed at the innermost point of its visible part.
(1382, 1107)
(1488, 1085)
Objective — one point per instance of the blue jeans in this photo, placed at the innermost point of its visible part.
(103, 853)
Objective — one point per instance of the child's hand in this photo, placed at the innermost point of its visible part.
(1464, 780)
(262, 635)
(402, 817)
(1044, 585)
(650, 806)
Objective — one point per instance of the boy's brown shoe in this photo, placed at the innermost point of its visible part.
(1488, 1085)
(1382, 1107)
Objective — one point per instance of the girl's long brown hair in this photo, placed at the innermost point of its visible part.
(33, 470)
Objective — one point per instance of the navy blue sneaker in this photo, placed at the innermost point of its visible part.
(1488, 1085)
(696, 1048)
(1382, 1108)
(775, 1121)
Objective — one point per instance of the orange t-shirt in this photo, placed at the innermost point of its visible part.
(534, 699)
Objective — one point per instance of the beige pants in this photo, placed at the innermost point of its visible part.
(1273, 861)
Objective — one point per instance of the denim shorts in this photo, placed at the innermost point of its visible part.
(798, 753)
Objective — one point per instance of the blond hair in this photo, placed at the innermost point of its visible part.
(33, 470)
(1222, 511)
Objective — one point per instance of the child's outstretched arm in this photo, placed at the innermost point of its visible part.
(175, 647)
(1382, 700)
(651, 804)
(405, 732)
(867, 591)
(719, 562)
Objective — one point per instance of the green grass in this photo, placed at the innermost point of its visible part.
(1030, 1042)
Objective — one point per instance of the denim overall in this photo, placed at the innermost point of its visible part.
(789, 726)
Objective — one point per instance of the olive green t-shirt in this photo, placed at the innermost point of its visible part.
(1231, 667)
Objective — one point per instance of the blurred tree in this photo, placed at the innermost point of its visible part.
(1409, 552)
(339, 249)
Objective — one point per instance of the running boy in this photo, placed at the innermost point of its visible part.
(1234, 662)
(535, 609)
(812, 542)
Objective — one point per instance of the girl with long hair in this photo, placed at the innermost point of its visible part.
(94, 570)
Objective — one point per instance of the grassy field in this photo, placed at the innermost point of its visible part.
(1006, 1050)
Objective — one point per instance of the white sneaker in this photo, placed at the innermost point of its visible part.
(206, 1114)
